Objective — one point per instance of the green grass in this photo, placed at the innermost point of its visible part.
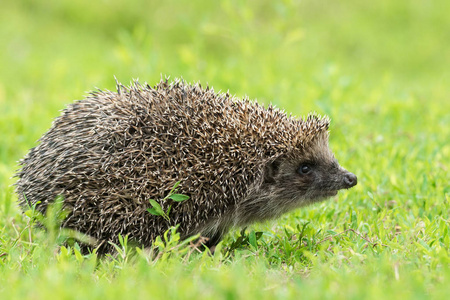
(379, 69)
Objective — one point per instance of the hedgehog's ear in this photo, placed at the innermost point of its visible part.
(271, 169)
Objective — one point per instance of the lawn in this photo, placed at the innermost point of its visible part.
(380, 70)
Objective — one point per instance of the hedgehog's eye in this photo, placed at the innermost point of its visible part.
(304, 169)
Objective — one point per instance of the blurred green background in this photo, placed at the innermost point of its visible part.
(379, 69)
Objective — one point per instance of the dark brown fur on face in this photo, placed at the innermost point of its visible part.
(239, 162)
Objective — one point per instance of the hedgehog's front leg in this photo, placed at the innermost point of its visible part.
(213, 231)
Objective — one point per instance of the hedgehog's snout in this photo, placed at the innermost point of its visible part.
(350, 180)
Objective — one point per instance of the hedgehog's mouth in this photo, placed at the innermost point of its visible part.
(330, 193)
(325, 194)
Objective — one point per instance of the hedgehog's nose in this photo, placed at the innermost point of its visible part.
(350, 180)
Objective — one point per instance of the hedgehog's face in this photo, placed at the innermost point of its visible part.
(305, 175)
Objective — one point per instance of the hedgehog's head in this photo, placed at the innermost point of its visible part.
(309, 173)
(304, 174)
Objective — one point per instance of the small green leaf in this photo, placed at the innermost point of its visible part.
(252, 239)
(157, 207)
(153, 211)
(174, 189)
(29, 213)
(79, 257)
(178, 197)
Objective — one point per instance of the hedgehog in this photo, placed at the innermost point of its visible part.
(238, 161)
